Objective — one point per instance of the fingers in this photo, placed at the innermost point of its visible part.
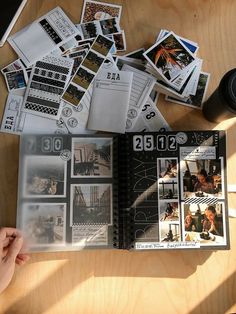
(14, 249)
(21, 259)
(6, 236)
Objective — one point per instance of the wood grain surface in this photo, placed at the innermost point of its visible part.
(120, 282)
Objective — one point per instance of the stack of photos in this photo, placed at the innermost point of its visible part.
(66, 192)
(173, 61)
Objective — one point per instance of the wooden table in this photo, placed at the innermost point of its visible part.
(132, 282)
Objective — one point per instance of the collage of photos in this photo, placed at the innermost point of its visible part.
(204, 223)
(202, 178)
(78, 187)
(87, 70)
(44, 224)
(168, 200)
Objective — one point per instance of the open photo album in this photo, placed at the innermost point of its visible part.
(155, 190)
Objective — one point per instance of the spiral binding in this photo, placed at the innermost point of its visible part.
(123, 226)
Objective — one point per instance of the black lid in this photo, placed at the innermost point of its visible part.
(228, 88)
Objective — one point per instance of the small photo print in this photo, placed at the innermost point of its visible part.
(169, 211)
(169, 56)
(96, 10)
(167, 168)
(91, 29)
(83, 78)
(91, 204)
(194, 101)
(170, 232)
(119, 40)
(202, 178)
(73, 94)
(109, 26)
(204, 223)
(93, 62)
(91, 157)
(44, 224)
(102, 45)
(15, 79)
(167, 190)
(45, 176)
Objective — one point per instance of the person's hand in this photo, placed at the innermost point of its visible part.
(11, 243)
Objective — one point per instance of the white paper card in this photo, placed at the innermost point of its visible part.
(110, 101)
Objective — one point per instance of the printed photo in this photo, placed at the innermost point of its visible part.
(44, 224)
(119, 40)
(169, 57)
(16, 79)
(102, 45)
(202, 178)
(45, 176)
(91, 204)
(91, 29)
(83, 78)
(73, 94)
(167, 168)
(109, 26)
(169, 211)
(170, 232)
(204, 223)
(96, 10)
(77, 62)
(167, 190)
(194, 101)
(91, 157)
(92, 61)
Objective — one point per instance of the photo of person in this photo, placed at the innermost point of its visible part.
(45, 176)
(204, 222)
(44, 224)
(169, 211)
(91, 203)
(168, 190)
(201, 178)
(169, 232)
(92, 157)
(167, 168)
(109, 26)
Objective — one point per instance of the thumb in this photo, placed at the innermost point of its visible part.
(14, 248)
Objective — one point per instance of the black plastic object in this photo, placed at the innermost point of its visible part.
(221, 105)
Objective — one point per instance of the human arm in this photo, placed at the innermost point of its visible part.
(11, 243)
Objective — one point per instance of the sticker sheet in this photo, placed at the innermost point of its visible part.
(47, 82)
(51, 30)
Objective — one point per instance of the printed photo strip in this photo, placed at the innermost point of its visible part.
(88, 69)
